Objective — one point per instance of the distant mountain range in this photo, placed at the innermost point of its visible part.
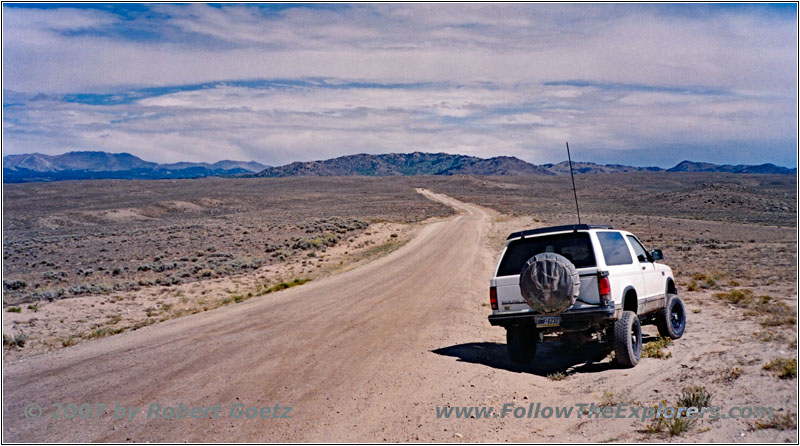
(100, 165)
(418, 163)
(691, 166)
(562, 168)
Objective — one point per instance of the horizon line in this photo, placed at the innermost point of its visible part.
(396, 153)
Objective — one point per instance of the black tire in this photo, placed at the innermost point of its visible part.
(671, 321)
(521, 343)
(627, 339)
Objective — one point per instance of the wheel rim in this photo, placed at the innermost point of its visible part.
(676, 317)
(635, 336)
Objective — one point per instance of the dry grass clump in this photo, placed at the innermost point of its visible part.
(692, 396)
(785, 368)
(655, 349)
(784, 421)
(17, 340)
(773, 313)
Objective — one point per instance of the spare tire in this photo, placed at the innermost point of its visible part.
(549, 283)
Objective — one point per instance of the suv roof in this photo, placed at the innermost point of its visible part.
(556, 229)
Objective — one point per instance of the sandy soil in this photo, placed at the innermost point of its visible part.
(369, 354)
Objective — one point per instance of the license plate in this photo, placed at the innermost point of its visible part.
(547, 321)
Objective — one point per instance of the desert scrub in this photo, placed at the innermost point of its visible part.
(49, 295)
(89, 288)
(334, 224)
(773, 313)
(383, 249)
(691, 396)
(285, 285)
(105, 331)
(695, 396)
(18, 340)
(655, 349)
(14, 310)
(606, 399)
(731, 374)
(770, 336)
(740, 297)
(322, 241)
(784, 368)
(784, 421)
(54, 275)
(701, 280)
(271, 247)
(672, 426)
(205, 272)
(557, 376)
(144, 323)
(777, 314)
(159, 267)
(280, 255)
(14, 284)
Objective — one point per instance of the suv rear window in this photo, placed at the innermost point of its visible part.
(615, 250)
(575, 246)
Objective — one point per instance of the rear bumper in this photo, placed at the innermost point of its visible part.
(572, 320)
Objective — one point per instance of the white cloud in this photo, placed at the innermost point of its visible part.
(463, 43)
(492, 79)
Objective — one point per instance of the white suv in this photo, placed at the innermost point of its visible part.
(578, 280)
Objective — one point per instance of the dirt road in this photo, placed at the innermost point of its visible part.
(365, 355)
(334, 350)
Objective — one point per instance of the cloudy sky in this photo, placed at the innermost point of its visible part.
(631, 84)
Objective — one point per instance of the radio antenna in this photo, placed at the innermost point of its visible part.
(575, 192)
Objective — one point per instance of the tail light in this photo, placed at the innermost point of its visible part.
(604, 288)
(493, 297)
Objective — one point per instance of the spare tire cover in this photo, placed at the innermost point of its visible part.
(549, 283)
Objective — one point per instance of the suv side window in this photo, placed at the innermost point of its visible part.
(639, 250)
(615, 250)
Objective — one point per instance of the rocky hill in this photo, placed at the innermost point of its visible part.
(416, 163)
(693, 166)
